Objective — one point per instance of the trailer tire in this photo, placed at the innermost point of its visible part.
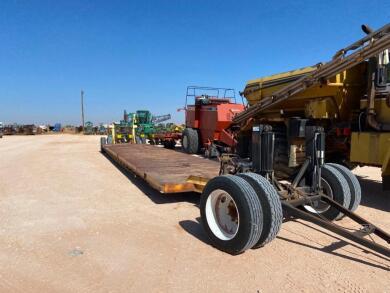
(353, 183)
(336, 187)
(270, 204)
(231, 214)
(190, 141)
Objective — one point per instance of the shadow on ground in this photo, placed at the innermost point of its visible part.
(339, 244)
(373, 196)
(154, 195)
(195, 229)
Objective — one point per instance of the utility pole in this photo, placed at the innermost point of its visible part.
(82, 108)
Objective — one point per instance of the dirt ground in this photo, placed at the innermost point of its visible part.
(73, 222)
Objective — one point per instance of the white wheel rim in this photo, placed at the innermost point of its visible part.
(185, 141)
(222, 215)
(321, 207)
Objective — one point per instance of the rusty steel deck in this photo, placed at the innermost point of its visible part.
(168, 171)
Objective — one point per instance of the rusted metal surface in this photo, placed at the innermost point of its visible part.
(168, 171)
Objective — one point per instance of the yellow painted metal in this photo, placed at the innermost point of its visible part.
(382, 109)
(321, 109)
(386, 164)
(198, 182)
(370, 148)
(113, 133)
(338, 96)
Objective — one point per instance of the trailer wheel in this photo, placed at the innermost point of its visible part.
(190, 141)
(231, 214)
(270, 204)
(336, 187)
(353, 183)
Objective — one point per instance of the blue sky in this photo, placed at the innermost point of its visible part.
(142, 54)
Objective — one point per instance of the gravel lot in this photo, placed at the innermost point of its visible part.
(73, 222)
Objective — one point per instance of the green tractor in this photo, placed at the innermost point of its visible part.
(145, 124)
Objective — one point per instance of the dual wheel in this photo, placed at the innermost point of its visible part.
(244, 211)
(341, 185)
(240, 212)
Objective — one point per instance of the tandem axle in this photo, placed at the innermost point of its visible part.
(244, 207)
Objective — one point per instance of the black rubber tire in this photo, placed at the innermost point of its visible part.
(172, 144)
(340, 189)
(353, 183)
(168, 144)
(192, 137)
(249, 209)
(270, 204)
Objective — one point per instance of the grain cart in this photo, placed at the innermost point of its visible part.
(207, 118)
(279, 169)
(348, 96)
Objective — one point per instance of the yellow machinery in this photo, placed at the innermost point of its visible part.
(123, 131)
(349, 96)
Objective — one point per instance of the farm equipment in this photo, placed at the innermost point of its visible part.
(102, 130)
(168, 135)
(349, 97)
(207, 120)
(123, 131)
(145, 124)
(88, 128)
(278, 168)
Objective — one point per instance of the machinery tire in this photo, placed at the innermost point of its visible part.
(190, 141)
(223, 198)
(337, 188)
(168, 144)
(353, 183)
(270, 204)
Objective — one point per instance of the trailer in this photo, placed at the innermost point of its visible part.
(236, 198)
(243, 207)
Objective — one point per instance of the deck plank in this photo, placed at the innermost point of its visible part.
(164, 169)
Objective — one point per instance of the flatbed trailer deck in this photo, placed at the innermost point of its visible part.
(168, 171)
